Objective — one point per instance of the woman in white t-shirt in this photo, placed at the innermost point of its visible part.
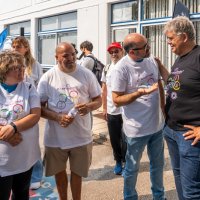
(33, 73)
(19, 133)
(33, 68)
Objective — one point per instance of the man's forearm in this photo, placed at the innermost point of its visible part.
(95, 103)
(104, 96)
(49, 114)
(121, 100)
(162, 96)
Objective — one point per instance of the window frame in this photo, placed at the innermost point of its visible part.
(52, 32)
(125, 21)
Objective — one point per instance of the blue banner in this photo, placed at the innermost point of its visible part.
(3, 36)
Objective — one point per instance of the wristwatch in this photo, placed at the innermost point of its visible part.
(14, 127)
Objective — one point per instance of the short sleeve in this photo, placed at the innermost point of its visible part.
(88, 63)
(34, 99)
(157, 69)
(39, 67)
(94, 87)
(118, 82)
(103, 76)
(43, 89)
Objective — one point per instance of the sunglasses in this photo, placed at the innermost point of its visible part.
(145, 47)
(114, 52)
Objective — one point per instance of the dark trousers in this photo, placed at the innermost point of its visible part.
(117, 137)
(19, 185)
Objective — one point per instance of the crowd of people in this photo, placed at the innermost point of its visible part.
(138, 112)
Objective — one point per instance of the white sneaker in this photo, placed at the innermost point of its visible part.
(35, 186)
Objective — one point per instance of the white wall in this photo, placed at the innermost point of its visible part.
(92, 22)
(88, 27)
(13, 5)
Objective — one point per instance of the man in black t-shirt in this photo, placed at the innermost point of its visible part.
(182, 129)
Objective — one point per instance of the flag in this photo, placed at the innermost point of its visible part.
(180, 10)
(7, 45)
(3, 36)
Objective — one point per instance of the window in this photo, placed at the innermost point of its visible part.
(53, 30)
(158, 43)
(47, 49)
(123, 12)
(68, 20)
(155, 9)
(67, 37)
(58, 22)
(197, 28)
(120, 34)
(14, 29)
(49, 23)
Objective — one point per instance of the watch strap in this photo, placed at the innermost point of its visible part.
(14, 126)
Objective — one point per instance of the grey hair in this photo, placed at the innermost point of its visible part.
(181, 24)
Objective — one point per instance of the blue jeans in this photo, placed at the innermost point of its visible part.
(155, 150)
(37, 172)
(185, 161)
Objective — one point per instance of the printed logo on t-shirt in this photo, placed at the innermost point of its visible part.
(173, 83)
(67, 95)
(10, 113)
(145, 81)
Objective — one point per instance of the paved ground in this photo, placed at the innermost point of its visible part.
(102, 184)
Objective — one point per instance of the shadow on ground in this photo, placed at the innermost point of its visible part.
(106, 173)
(170, 195)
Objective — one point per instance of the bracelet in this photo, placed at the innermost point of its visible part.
(14, 127)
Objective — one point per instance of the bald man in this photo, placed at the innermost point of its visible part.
(68, 92)
(137, 88)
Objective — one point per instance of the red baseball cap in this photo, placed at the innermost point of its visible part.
(114, 44)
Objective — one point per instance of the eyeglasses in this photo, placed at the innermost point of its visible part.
(145, 47)
(114, 52)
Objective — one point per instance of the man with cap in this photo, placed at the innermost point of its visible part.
(111, 113)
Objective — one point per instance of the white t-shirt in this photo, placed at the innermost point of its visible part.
(14, 106)
(62, 91)
(143, 116)
(106, 78)
(36, 72)
(87, 62)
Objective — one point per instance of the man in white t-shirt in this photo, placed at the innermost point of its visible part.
(111, 113)
(136, 86)
(68, 92)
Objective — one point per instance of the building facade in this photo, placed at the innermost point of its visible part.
(48, 22)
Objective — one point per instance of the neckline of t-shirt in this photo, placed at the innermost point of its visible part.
(90, 54)
(133, 61)
(9, 88)
(10, 93)
(189, 51)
